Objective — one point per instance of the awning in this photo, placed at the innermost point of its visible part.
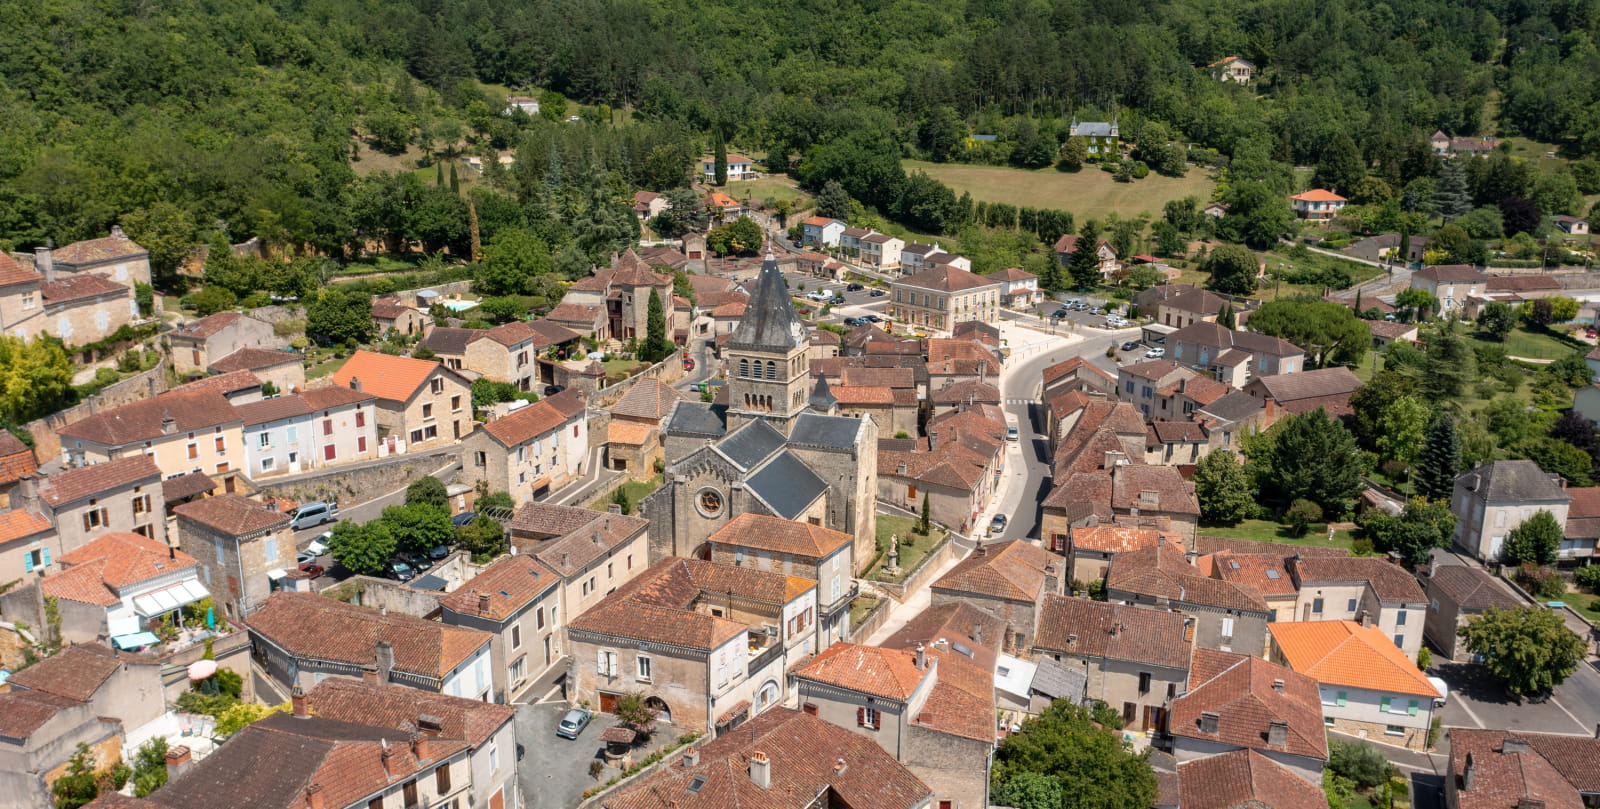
(164, 601)
(135, 640)
(276, 573)
(541, 483)
(739, 709)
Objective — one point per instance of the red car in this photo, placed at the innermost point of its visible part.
(312, 569)
(688, 363)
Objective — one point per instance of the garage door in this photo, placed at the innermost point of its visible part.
(608, 702)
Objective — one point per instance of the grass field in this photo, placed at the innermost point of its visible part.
(1268, 531)
(758, 191)
(1090, 193)
(913, 546)
(1536, 345)
(633, 489)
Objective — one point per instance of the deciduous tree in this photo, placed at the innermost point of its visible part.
(1233, 269)
(363, 548)
(1329, 332)
(1536, 540)
(1089, 762)
(1529, 650)
(1223, 488)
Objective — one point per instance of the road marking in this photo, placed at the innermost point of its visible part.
(1470, 714)
(1580, 724)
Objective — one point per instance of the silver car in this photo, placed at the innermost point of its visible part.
(573, 723)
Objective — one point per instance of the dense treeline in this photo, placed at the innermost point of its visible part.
(245, 116)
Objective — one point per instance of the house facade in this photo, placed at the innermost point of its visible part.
(795, 549)
(322, 427)
(882, 251)
(1136, 660)
(532, 451)
(1100, 137)
(195, 431)
(1317, 205)
(420, 403)
(199, 343)
(88, 502)
(244, 547)
(1451, 284)
(1368, 687)
(1492, 500)
(516, 600)
(942, 297)
(821, 231)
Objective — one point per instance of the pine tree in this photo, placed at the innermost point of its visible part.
(1439, 461)
(1084, 263)
(1452, 198)
(1226, 318)
(455, 182)
(721, 159)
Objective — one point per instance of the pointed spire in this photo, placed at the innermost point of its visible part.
(769, 322)
(822, 399)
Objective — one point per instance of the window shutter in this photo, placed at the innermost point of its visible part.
(1342, 699)
(27, 563)
(1383, 704)
(1411, 708)
(861, 717)
(86, 525)
(46, 552)
(600, 667)
(877, 720)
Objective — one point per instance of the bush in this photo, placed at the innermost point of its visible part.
(1588, 577)
(1360, 762)
(1301, 514)
(1541, 582)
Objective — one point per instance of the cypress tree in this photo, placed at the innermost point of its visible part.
(1440, 459)
(721, 159)
(455, 182)
(1226, 319)
(438, 174)
(656, 346)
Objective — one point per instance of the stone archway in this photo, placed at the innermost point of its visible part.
(659, 705)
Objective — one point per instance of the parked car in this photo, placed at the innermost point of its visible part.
(877, 293)
(872, 318)
(304, 558)
(819, 295)
(438, 552)
(1156, 353)
(838, 300)
(312, 569)
(1058, 314)
(854, 287)
(688, 363)
(998, 524)
(853, 321)
(398, 570)
(551, 390)
(418, 561)
(1012, 434)
(1130, 345)
(463, 518)
(573, 723)
(1444, 691)
(314, 513)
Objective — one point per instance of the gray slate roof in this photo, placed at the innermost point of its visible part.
(769, 320)
(1234, 406)
(752, 444)
(817, 430)
(821, 397)
(787, 485)
(1518, 481)
(1092, 129)
(697, 418)
(1058, 680)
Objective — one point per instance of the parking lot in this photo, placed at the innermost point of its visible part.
(1477, 701)
(553, 772)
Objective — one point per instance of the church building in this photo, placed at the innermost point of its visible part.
(776, 448)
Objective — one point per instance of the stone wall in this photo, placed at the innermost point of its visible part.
(669, 370)
(859, 633)
(385, 594)
(47, 444)
(360, 482)
(1578, 280)
(923, 574)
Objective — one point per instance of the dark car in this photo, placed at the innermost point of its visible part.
(418, 561)
(551, 390)
(877, 293)
(854, 287)
(872, 318)
(463, 518)
(853, 321)
(399, 570)
(438, 552)
(1058, 314)
(1130, 345)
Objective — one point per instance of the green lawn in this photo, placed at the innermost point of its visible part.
(1090, 193)
(1582, 602)
(1538, 345)
(860, 606)
(325, 362)
(1269, 531)
(913, 546)
(633, 489)
(757, 191)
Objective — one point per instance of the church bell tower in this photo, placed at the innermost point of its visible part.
(768, 370)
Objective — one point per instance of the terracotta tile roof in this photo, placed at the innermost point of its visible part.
(536, 419)
(953, 622)
(1066, 402)
(886, 673)
(1583, 513)
(571, 553)
(1390, 330)
(511, 583)
(1471, 588)
(398, 707)
(945, 278)
(1013, 274)
(1318, 195)
(316, 627)
(207, 327)
(186, 486)
(629, 433)
(862, 395)
(275, 409)
(940, 349)
(1183, 297)
(224, 384)
(803, 752)
(1247, 694)
(1013, 570)
(819, 221)
(969, 391)
(142, 420)
(71, 485)
(75, 672)
(90, 251)
(1347, 653)
(716, 300)
(232, 514)
(1113, 631)
(1069, 242)
(1389, 582)
(23, 712)
(117, 800)
(760, 532)
(13, 271)
(331, 396)
(385, 376)
(545, 520)
(1155, 369)
(538, 333)
(1121, 539)
(1207, 333)
(1205, 545)
(658, 605)
(19, 523)
(1551, 764)
(953, 466)
(1075, 367)
(1244, 778)
(78, 287)
(1266, 574)
(251, 359)
(648, 399)
(98, 571)
(877, 377)
(1451, 272)
(389, 309)
(1161, 571)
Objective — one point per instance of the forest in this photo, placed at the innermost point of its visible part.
(206, 120)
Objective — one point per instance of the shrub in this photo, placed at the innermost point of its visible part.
(1588, 577)
(1541, 582)
(1360, 762)
(1301, 514)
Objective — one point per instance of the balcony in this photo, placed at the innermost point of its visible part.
(763, 657)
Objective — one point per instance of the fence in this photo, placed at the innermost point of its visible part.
(47, 444)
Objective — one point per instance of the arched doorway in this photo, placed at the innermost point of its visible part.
(657, 704)
(766, 697)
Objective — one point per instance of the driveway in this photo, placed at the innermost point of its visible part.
(554, 772)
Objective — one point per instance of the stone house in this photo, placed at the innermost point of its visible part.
(1148, 496)
(1367, 590)
(1223, 616)
(633, 438)
(284, 369)
(530, 452)
(28, 544)
(115, 256)
(1243, 778)
(1451, 284)
(121, 496)
(20, 304)
(1101, 138)
(708, 644)
(1009, 580)
(943, 296)
(1212, 349)
(1107, 257)
(1326, 389)
(198, 344)
(892, 413)
(593, 552)
(1166, 391)
(317, 428)
(1179, 305)
(119, 586)
(1369, 688)
(622, 291)
(390, 316)
(1457, 594)
(16, 463)
(1266, 573)
(244, 548)
(84, 309)
(797, 549)
(450, 345)
(510, 352)
(488, 729)
(514, 598)
(421, 403)
(1137, 660)
(195, 431)
(299, 639)
(1241, 702)
(1090, 550)
(957, 480)
(1497, 767)
(1493, 499)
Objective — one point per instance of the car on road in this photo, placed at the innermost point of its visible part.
(872, 318)
(854, 287)
(998, 524)
(1444, 691)
(551, 390)
(1012, 434)
(877, 293)
(314, 513)
(1058, 314)
(573, 723)
(398, 570)
(312, 570)
(1130, 345)
(688, 363)
(1155, 353)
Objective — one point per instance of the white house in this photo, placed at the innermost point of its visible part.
(739, 167)
(287, 435)
(1019, 289)
(1491, 500)
(1369, 688)
(524, 103)
(1317, 204)
(120, 584)
(821, 230)
(1452, 284)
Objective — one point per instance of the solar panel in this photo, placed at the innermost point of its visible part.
(962, 649)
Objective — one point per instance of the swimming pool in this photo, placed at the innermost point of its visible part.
(459, 306)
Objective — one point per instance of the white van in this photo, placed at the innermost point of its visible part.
(314, 513)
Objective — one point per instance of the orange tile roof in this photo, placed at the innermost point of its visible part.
(536, 419)
(511, 583)
(13, 271)
(95, 573)
(779, 535)
(1120, 538)
(1318, 195)
(888, 673)
(18, 523)
(384, 376)
(720, 200)
(631, 433)
(1347, 653)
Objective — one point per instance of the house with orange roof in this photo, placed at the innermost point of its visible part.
(622, 294)
(28, 543)
(633, 438)
(122, 585)
(821, 231)
(1317, 204)
(531, 451)
(1369, 688)
(420, 403)
(799, 549)
(708, 644)
(723, 207)
(1008, 580)
(1091, 549)
(1233, 68)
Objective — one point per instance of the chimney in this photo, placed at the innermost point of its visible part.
(1366, 618)
(1116, 629)
(597, 541)
(297, 698)
(421, 747)
(1278, 733)
(1208, 722)
(613, 508)
(1052, 578)
(116, 233)
(691, 756)
(921, 660)
(483, 604)
(385, 654)
(981, 551)
(355, 383)
(1509, 746)
(44, 262)
(369, 676)
(839, 766)
(389, 764)
(976, 634)
(1277, 685)
(178, 762)
(429, 724)
(761, 769)
(1072, 641)
(169, 425)
(1113, 458)
(314, 796)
